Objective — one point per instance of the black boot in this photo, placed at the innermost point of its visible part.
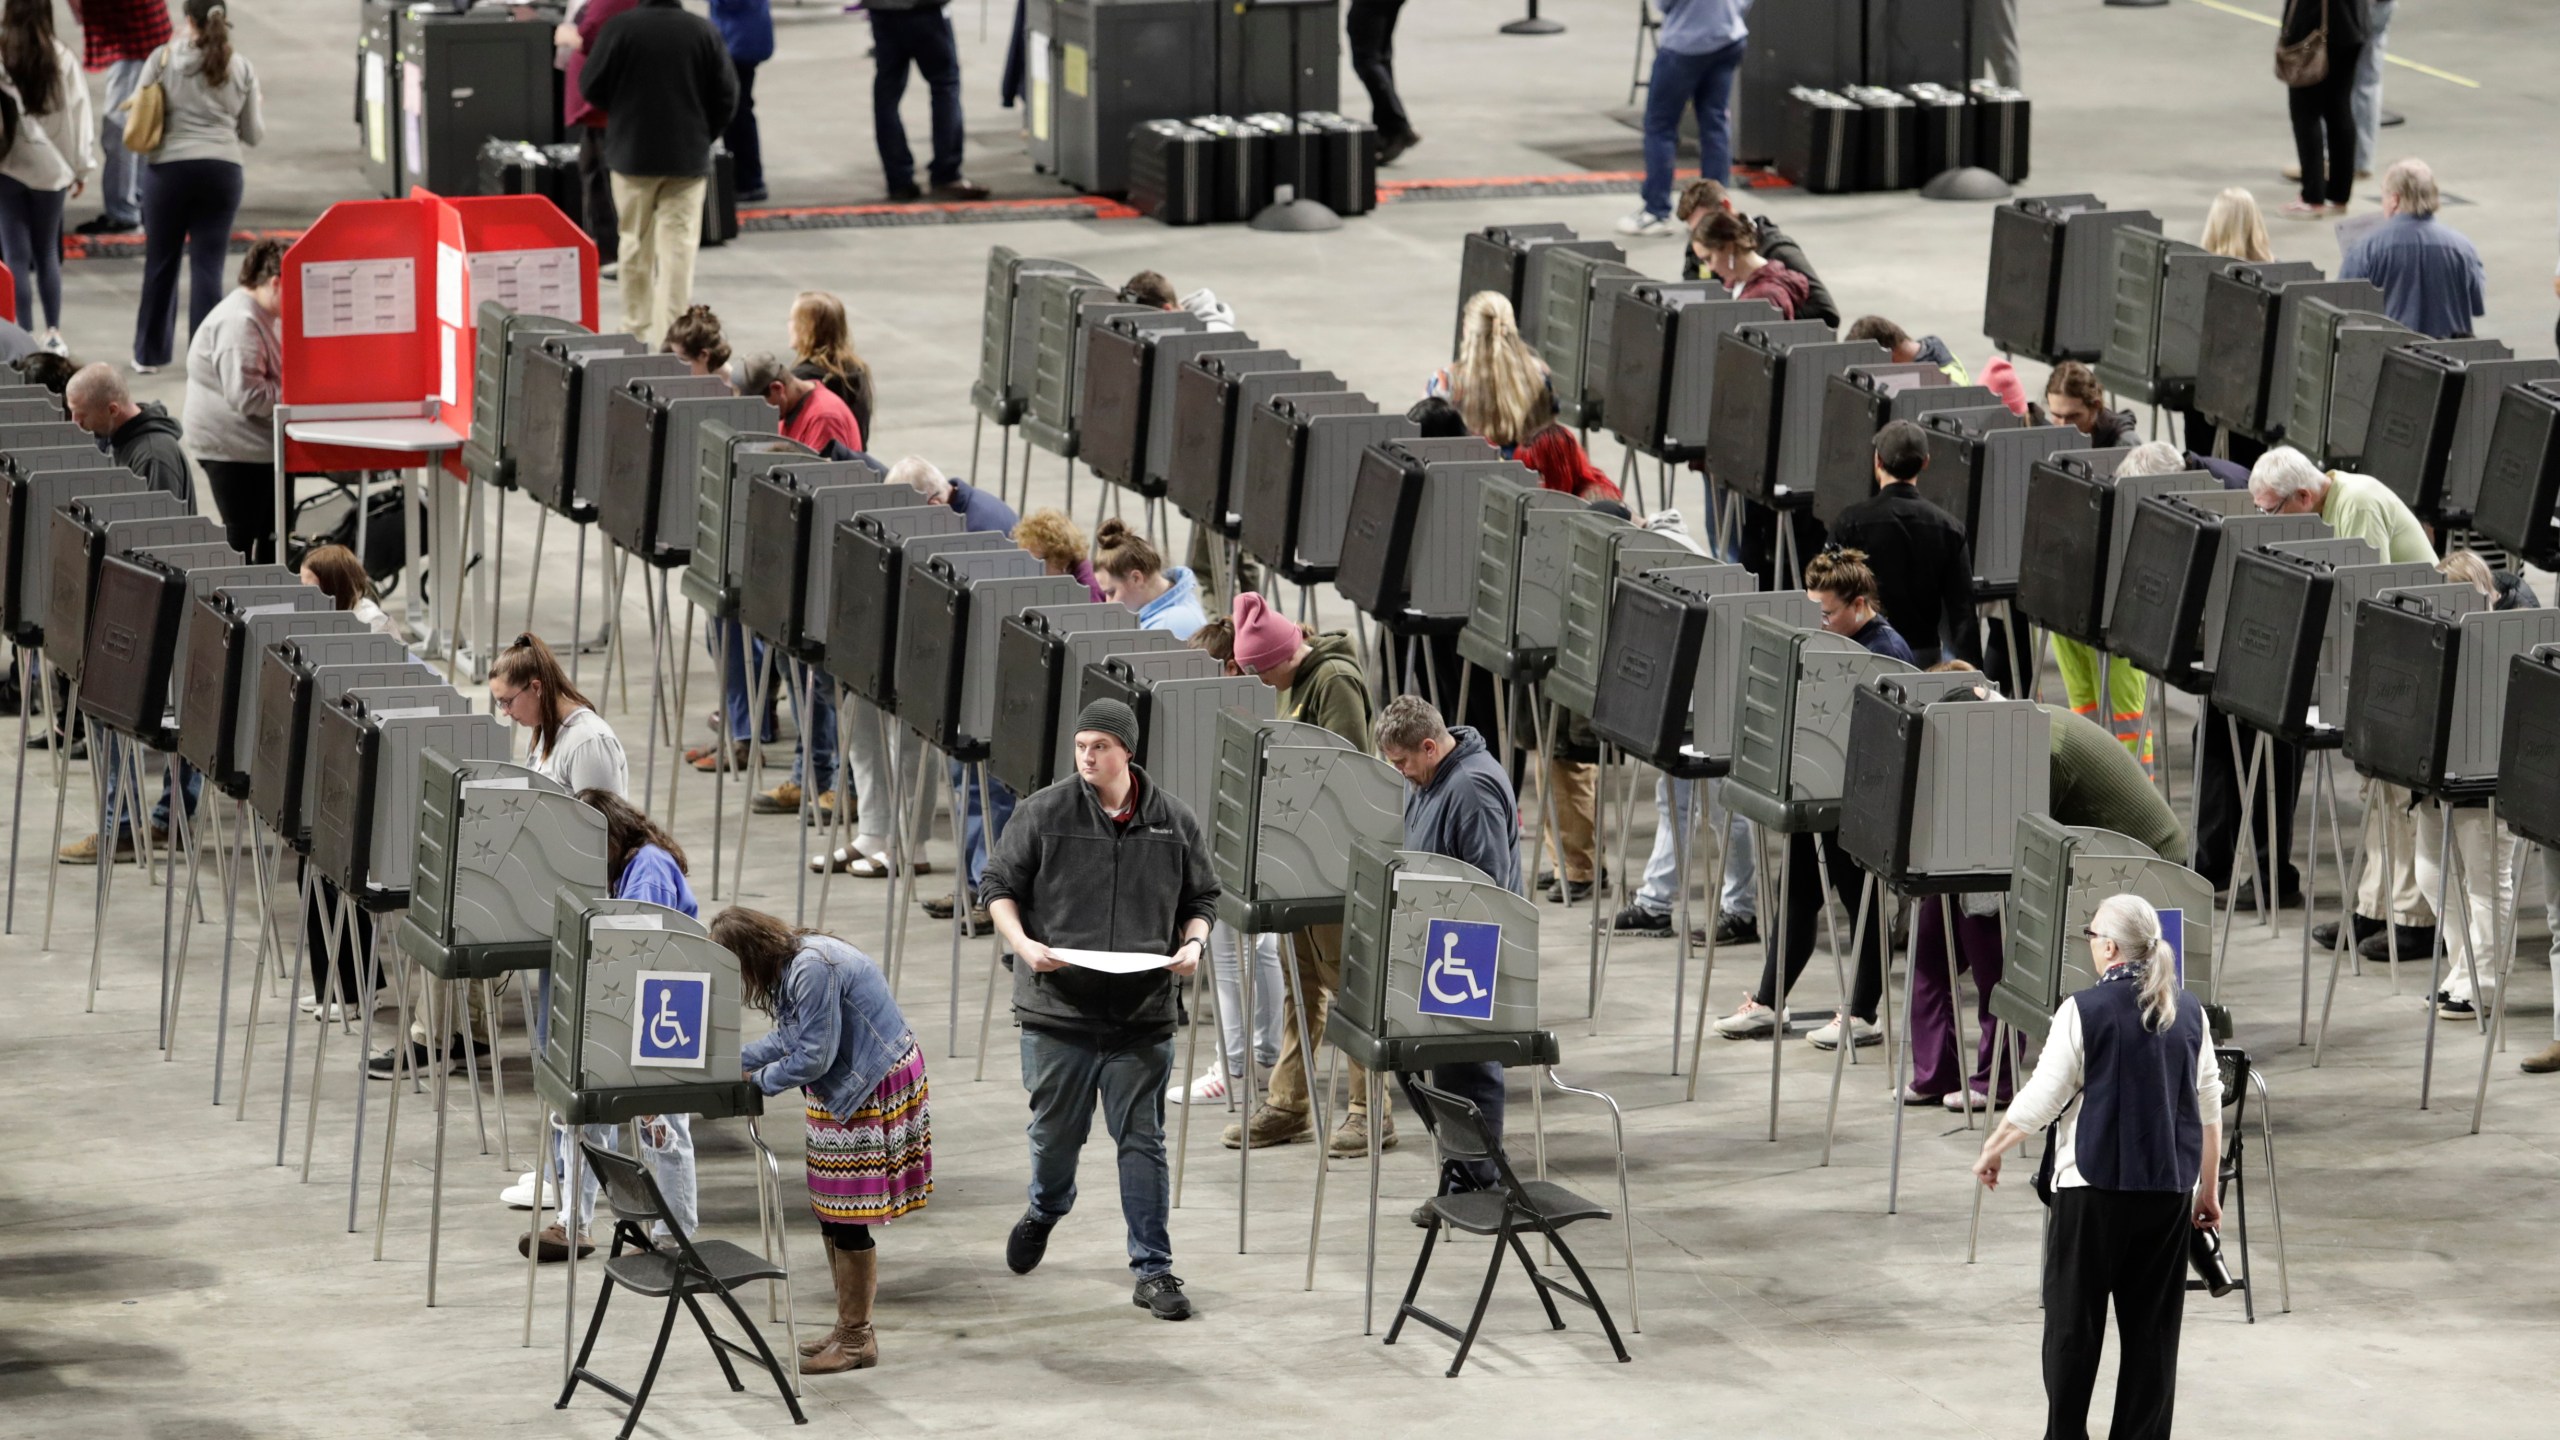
(2417, 942)
(2324, 936)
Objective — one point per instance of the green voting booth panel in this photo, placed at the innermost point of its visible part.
(2063, 872)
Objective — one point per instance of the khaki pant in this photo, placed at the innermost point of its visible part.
(661, 228)
(2387, 815)
(429, 1008)
(1317, 951)
(2485, 900)
(1577, 788)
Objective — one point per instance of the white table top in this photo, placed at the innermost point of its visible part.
(416, 435)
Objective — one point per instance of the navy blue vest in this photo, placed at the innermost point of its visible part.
(2139, 1129)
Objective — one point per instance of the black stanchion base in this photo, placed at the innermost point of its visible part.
(1540, 25)
(2135, 4)
(1965, 182)
(1300, 214)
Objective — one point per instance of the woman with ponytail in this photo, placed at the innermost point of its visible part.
(191, 187)
(51, 146)
(1499, 384)
(2120, 1169)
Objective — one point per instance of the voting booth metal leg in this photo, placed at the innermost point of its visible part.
(995, 949)
(960, 897)
(1369, 1284)
(2342, 944)
(1684, 844)
(497, 1078)
(1840, 1057)
(301, 946)
(328, 957)
(1707, 973)
(1905, 1070)
(371, 981)
(546, 1177)
(1778, 1033)
(657, 692)
(899, 854)
(2245, 842)
(1316, 1092)
(1190, 1072)
(808, 790)
(759, 690)
(27, 665)
(682, 662)
(578, 605)
(441, 1057)
(920, 816)
(2445, 867)
(722, 746)
(2496, 1015)
(61, 788)
(1955, 1009)
(229, 860)
(1840, 960)
(106, 866)
(1247, 961)
(1999, 1052)
(1553, 717)
(1602, 936)
(183, 830)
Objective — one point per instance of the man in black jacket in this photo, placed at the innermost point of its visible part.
(662, 77)
(142, 438)
(917, 33)
(1101, 861)
(1922, 562)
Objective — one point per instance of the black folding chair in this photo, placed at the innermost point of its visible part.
(679, 1268)
(2240, 1075)
(1511, 1206)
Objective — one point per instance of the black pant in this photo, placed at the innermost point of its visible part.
(746, 146)
(244, 495)
(2130, 1247)
(2218, 802)
(1371, 26)
(2199, 434)
(352, 949)
(595, 182)
(921, 38)
(2324, 128)
(187, 210)
(1803, 902)
(1478, 1081)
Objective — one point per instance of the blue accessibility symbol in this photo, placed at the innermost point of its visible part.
(1460, 959)
(671, 1025)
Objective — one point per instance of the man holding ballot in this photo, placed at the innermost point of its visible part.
(1101, 862)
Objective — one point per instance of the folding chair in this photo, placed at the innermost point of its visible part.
(2239, 1076)
(679, 1268)
(1502, 1212)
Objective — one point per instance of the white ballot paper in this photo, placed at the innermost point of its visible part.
(1117, 962)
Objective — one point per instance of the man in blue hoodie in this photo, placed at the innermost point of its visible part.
(1460, 804)
(1696, 54)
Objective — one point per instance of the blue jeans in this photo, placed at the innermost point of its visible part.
(1064, 1073)
(1657, 893)
(973, 836)
(672, 1161)
(31, 242)
(120, 185)
(735, 673)
(1479, 1081)
(816, 717)
(2368, 97)
(110, 749)
(922, 38)
(1680, 82)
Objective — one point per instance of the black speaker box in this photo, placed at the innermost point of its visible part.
(133, 642)
(1204, 430)
(2402, 677)
(2529, 748)
(2160, 593)
(2272, 627)
(2062, 568)
(1649, 673)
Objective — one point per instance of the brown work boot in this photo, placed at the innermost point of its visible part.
(2543, 1061)
(85, 851)
(1274, 1126)
(555, 1244)
(1351, 1137)
(782, 799)
(851, 1345)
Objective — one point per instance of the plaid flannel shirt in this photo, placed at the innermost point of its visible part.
(113, 30)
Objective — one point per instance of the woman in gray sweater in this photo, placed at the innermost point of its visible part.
(191, 188)
(235, 373)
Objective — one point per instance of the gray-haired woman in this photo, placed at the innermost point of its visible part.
(2121, 1168)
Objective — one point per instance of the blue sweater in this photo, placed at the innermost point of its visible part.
(746, 28)
(651, 874)
(1700, 27)
(1178, 608)
(979, 511)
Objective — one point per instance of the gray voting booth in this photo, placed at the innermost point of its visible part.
(1303, 454)
(26, 548)
(1649, 675)
(289, 679)
(650, 424)
(727, 460)
(368, 753)
(1044, 654)
(644, 1015)
(506, 342)
(1599, 554)
(1791, 723)
(2053, 269)
(495, 845)
(1576, 313)
(1291, 802)
(2062, 873)
(786, 592)
(1493, 637)
(81, 531)
(2337, 363)
(1177, 696)
(1938, 779)
(2430, 671)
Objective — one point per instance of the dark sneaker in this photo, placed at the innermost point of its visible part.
(1027, 1244)
(106, 225)
(2285, 900)
(1424, 1217)
(384, 1063)
(965, 189)
(1637, 920)
(1162, 1297)
(1273, 1126)
(1732, 929)
(1570, 892)
(906, 194)
(2417, 942)
(1393, 150)
(2452, 1009)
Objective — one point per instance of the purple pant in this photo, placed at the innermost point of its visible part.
(1933, 1029)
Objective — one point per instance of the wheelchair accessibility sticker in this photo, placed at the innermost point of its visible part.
(1460, 958)
(671, 1026)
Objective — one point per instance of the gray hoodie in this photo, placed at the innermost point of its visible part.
(235, 372)
(1468, 811)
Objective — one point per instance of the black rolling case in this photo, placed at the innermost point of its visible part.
(1243, 168)
(1889, 148)
(1819, 148)
(1344, 152)
(1938, 129)
(1173, 169)
(720, 199)
(1997, 138)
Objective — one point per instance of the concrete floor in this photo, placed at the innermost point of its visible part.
(159, 1276)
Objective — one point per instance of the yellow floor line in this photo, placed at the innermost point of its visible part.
(2424, 69)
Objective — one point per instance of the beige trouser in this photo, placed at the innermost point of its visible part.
(661, 223)
(2486, 899)
(1318, 952)
(2387, 816)
(429, 1009)
(1577, 787)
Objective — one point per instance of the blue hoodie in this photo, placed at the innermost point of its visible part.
(651, 874)
(1468, 811)
(1178, 608)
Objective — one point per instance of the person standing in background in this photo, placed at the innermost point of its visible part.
(1371, 27)
(2429, 273)
(48, 161)
(2323, 112)
(1995, 39)
(664, 82)
(822, 344)
(746, 29)
(570, 43)
(1696, 55)
(2368, 94)
(191, 186)
(235, 375)
(917, 33)
(118, 36)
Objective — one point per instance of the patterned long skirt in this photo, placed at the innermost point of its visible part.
(877, 1163)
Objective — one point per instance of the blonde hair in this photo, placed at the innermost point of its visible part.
(2134, 926)
(2467, 567)
(821, 335)
(1500, 384)
(1049, 534)
(2235, 228)
(2412, 182)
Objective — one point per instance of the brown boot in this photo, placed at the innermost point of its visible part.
(835, 1270)
(852, 1346)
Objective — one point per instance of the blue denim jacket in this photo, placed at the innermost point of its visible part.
(835, 1028)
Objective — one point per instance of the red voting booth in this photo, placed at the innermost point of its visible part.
(380, 299)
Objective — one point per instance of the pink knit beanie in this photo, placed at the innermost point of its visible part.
(1264, 637)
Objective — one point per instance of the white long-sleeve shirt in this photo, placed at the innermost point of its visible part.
(2060, 1072)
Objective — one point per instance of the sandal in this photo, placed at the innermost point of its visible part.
(844, 860)
(2302, 210)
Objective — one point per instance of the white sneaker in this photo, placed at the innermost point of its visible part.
(1828, 1037)
(1209, 1089)
(336, 1013)
(1646, 223)
(519, 1196)
(1750, 1022)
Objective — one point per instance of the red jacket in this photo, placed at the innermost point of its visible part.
(819, 418)
(1778, 285)
(589, 21)
(1563, 465)
(113, 30)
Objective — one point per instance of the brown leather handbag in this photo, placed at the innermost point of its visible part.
(2305, 62)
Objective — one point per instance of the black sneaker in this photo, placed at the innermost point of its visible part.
(385, 1063)
(1732, 929)
(1029, 1241)
(2417, 942)
(1570, 892)
(2285, 900)
(1637, 920)
(1162, 1297)
(106, 225)
(2452, 1009)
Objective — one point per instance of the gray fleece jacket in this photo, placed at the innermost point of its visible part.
(1085, 883)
